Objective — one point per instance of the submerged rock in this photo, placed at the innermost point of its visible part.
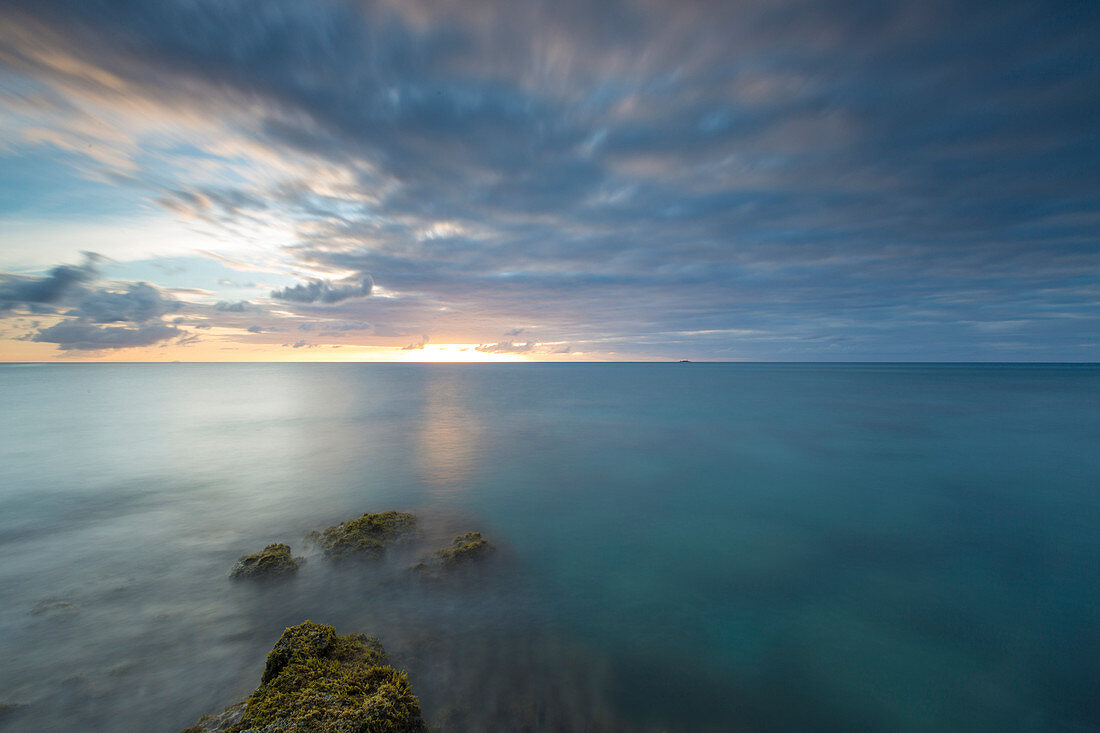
(10, 710)
(50, 606)
(365, 537)
(465, 548)
(315, 680)
(272, 561)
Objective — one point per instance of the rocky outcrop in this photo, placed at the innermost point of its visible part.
(465, 548)
(271, 562)
(315, 680)
(365, 537)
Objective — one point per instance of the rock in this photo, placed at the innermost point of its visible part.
(9, 710)
(365, 537)
(50, 606)
(464, 549)
(315, 680)
(272, 561)
(217, 723)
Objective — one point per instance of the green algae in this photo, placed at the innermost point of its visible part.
(365, 537)
(315, 680)
(272, 561)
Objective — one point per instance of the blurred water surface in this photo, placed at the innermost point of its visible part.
(682, 546)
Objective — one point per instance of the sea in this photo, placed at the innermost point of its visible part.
(679, 546)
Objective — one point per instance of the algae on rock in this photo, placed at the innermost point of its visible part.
(315, 680)
(363, 537)
(465, 548)
(218, 723)
(273, 560)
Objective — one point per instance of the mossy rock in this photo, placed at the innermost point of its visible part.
(464, 549)
(218, 723)
(272, 561)
(315, 680)
(365, 537)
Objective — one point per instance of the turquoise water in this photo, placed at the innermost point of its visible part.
(681, 546)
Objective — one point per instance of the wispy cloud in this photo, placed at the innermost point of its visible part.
(760, 179)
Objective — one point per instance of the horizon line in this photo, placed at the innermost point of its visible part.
(562, 363)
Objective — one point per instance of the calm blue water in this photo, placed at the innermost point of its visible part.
(682, 546)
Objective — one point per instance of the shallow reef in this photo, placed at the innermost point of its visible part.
(365, 537)
(272, 561)
(315, 680)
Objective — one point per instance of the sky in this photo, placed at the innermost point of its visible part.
(479, 180)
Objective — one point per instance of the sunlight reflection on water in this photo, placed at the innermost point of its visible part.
(448, 433)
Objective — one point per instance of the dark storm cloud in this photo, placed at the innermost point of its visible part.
(768, 179)
(326, 291)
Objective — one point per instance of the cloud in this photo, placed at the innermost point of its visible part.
(211, 204)
(135, 302)
(26, 292)
(750, 179)
(233, 307)
(91, 305)
(507, 347)
(326, 291)
(417, 345)
(83, 336)
(255, 329)
(333, 326)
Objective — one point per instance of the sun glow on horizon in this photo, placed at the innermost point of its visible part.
(456, 353)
